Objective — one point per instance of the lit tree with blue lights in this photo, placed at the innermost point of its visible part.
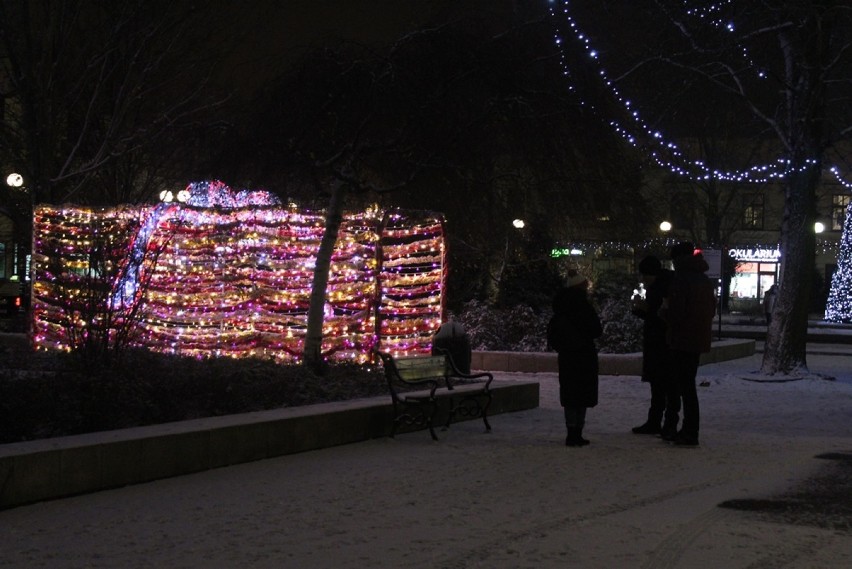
(839, 305)
(783, 66)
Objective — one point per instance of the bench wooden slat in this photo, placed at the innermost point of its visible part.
(414, 369)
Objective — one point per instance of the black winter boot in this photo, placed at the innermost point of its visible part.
(669, 431)
(652, 425)
(647, 429)
(575, 438)
(583, 442)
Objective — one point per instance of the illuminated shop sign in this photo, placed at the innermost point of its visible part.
(755, 255)
(564, 252)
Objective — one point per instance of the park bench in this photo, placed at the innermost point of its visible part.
(417, 384)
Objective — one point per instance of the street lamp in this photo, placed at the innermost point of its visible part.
(819, 227)
(518, 223)
(665, 226)
(14, 180)
(168, 196)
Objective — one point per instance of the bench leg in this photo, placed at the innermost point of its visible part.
(432, 431)
(485, 413)
(430, 419)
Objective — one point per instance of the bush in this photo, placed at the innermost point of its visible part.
(523, 329)
(516, 329)
(52, 396)
(622, 331)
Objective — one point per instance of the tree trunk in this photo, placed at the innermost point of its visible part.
(312, 352)
(786, 338)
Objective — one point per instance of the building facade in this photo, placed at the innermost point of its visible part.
(742, 221)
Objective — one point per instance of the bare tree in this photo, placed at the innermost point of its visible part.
(785, 67)
(93, 92)
(94, 292)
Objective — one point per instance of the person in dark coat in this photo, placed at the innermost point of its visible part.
(769, 302)
(572, 332)
(655, 350)
(688, 311)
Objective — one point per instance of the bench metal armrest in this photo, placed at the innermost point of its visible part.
(454, 372)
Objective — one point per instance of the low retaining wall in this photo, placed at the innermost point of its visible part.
(65, 466)
(610, 364)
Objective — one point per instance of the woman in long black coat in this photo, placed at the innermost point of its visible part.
(572, 332)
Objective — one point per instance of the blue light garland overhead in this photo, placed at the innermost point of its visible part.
(666, 153)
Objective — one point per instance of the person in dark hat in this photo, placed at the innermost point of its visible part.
(682, 249)
(655, 350)
(571, 332)
(688, 310)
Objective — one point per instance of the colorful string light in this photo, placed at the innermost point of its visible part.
(230, 273)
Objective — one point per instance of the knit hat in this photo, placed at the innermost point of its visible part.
(650, 265)
(682, 249)
(574, 279)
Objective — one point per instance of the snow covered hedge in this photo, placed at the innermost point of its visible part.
(521, 328)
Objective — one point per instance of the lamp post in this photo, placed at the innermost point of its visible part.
(21, 259)
(518, 224)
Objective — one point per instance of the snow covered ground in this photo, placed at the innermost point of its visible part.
(778, 452)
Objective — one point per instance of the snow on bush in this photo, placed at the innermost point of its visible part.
(522, 328)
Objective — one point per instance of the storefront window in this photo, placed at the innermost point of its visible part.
(744, 283)
(755, 272)
(751, 280)
(838, 210)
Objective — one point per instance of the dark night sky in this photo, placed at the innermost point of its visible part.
(267, 35)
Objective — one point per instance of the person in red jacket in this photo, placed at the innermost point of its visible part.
(688, 311)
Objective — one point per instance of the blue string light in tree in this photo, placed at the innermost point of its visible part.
(638, 133)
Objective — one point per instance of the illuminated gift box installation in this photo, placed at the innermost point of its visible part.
(230, 274)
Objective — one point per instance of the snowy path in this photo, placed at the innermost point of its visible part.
(514, 498)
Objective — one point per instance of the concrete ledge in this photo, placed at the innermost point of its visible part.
(732, 349)
(610, 364)
(65, 466)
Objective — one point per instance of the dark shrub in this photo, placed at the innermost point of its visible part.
(51, 396)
